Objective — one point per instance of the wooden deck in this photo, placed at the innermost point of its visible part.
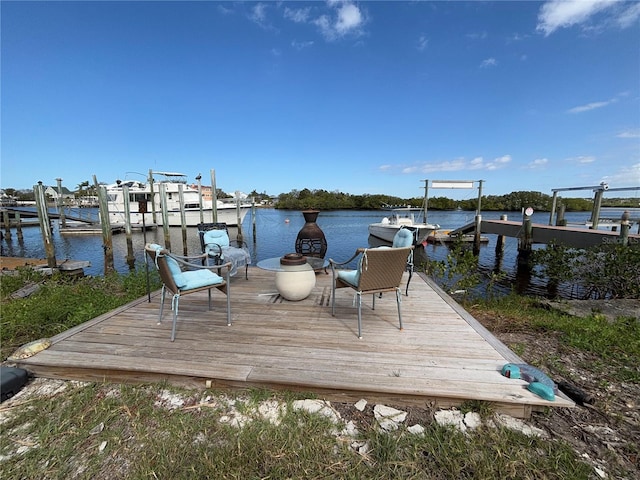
(442, 358)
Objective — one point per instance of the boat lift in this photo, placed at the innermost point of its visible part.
(597, 200)
(456, 184)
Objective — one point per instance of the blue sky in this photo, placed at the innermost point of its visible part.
(358, 97)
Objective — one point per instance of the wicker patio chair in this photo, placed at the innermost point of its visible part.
(379, 270)
(215, 243)
(194, 278)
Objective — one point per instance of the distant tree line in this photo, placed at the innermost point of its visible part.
(515, 201)
(325, 200)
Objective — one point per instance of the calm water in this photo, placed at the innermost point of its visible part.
(275, 235)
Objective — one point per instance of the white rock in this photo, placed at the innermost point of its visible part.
(601, 473)
(361, 404)
(452, 418)
(472, 420)
(317, 406)
(518, 425)
(416, 429)
(349, 430)
(388, 418)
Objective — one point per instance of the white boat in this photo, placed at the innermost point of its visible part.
(147, 196)
(402, 217)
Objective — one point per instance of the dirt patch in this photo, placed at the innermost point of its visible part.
(605, 431)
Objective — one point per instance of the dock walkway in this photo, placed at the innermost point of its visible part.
(442, 358)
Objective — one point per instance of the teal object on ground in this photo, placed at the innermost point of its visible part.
(542, 390)
(539, 382)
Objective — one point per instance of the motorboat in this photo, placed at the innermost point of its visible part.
(402, 217)
(145, 206)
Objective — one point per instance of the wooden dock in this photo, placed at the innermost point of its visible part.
(442, 358)
(540, 233)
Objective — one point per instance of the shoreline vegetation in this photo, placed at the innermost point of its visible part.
(336, 200)
(100, 431)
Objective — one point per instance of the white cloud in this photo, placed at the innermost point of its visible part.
(297, 15)
(423, 42)
(591, 106)
(537, 164)
(301, 45)
(629, 134)
(489, 62)
(628, 16)
(556, 14)
(456, 165)
(259, 13)
(626, 176)
(583, 159)
(348, 20)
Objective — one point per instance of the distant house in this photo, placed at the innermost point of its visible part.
(52, 192)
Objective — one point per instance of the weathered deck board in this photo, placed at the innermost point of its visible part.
(442, 357)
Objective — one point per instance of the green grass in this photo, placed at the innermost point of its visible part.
(144, 437)
(615, 344)
(61, 303)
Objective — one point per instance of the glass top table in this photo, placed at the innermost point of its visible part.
(274, 265)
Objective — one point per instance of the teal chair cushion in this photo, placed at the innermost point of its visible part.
(177, 274)
(352, 277)
(403, 238)
(174, 267)
(218, 237)
(200, 278)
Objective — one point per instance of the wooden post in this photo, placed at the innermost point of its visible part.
(165, 216)
(253, 218)
(476, 234)
(425, 202)
(561, 222)
(624, 228)
(63, 220)
(183, 220)
(154, 216)
(18, 221)
(500, 241)
(595, 213)
(45, 226)
(199, 179)
(525, 240)
(239, 237)
(214, 198)
(553, 207)
(107, 240)
(6, 220)
(131, 261)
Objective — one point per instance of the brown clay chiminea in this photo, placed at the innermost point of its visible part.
(311, 240)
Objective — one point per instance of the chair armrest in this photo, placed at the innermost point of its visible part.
(214, 246)
(185, 262)
(333, 263)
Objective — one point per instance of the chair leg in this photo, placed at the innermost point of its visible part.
(409, 281)
(209, 292)
(161, 304)
(174, 306)
(360, 314)
(333, 298)
(246, 272)
(399, 301)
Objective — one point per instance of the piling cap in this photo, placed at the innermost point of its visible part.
(625, 216)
